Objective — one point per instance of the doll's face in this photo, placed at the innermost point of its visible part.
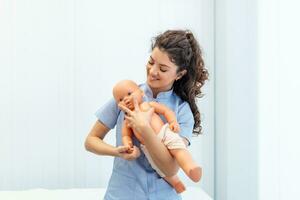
(124, 92)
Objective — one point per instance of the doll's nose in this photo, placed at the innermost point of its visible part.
(127, 100)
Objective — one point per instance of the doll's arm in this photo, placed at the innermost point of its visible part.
(167, 113)
(163, 110)
(126, 135)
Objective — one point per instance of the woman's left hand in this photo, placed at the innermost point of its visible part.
(137, 119)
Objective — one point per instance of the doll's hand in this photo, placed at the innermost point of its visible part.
(128, 153)
(127, 141)
(174, 126)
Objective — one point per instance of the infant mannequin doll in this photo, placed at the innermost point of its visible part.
(124, 92)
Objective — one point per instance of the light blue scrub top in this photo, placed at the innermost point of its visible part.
(136, 180)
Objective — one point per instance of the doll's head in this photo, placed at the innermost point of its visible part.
(125, 90)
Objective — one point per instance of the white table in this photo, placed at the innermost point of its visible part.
(192, 193)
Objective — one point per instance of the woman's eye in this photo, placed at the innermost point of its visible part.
(150, 63)
(162, 70)
(129, 93)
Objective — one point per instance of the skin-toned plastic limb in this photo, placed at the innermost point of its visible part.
(182, 156)
(187, 164)
(127, 135)
(176, 183)
(167, 113)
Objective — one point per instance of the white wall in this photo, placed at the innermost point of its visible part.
(279, 99)
(236, 100)
(58, 62)
(257, 100)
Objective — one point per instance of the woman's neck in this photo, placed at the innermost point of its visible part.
(156, 92)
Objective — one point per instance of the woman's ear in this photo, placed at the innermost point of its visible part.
(181, 74)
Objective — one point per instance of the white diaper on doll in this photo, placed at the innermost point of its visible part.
(170, 139)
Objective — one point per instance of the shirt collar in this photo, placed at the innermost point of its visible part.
(161, 95)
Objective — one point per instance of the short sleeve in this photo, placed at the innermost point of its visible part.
(185, 120)
(108, 113)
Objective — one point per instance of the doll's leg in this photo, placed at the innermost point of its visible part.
(176, 183)
(127, 141)
(187, 164)
(126, 135)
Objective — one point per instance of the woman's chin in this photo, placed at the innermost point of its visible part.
(152, 83)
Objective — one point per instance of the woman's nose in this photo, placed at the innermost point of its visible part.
(153, 71)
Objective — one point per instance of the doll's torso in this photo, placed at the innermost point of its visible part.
(156, 122)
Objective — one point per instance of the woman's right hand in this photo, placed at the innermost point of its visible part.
(137, 119)
(128, 153)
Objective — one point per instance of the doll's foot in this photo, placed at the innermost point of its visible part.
(179, 187)
(195, 174)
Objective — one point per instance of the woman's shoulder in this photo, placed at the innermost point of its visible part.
(179, 100)
(108, 113)
(182, 105)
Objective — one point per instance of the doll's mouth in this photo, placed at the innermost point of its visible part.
(130, 106)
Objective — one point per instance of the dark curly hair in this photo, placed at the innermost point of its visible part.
(184, 51)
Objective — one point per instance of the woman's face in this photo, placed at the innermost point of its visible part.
(161, 72)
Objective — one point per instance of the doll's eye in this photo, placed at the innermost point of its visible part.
(121, 99)
(129, 93)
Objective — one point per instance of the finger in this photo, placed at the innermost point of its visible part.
(122, 149)
(130, 150)
(128, 156)
(125, 109)
(129, 125)
(136, 105)
(129, 119)
(136, 152)
(151, 110)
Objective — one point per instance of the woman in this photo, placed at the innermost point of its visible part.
(175, 75)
